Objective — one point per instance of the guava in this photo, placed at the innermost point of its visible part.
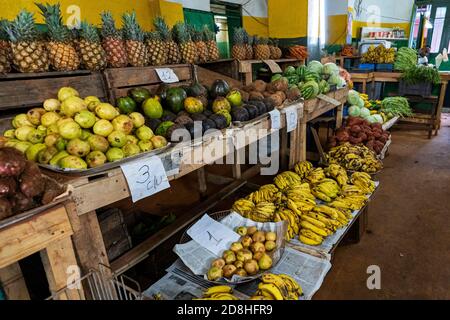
(137, 118)
(69, 130)
(152, 108)
(92, 105)
(98, 143)
(106, 111)
(52, 129)
(114, 154)
(67, 92)
(72, 162)
(103, 128)
(52, 105)
(85, 119)
(64, 120)
(21, 133)
(35, 136)
(145, 145)
(23, 146)
(85, 134)
(46, 155)
(34, 115)
(144, 133)
(72, 106)
(57, 157)
(21, 120)
(61, 144)
(95, 159)
(123, 123)
(90, 99)
(33, 151)
(51, 139)
(42, 129)
(117, 139)
(132, 139)
(131, 149)
(78, 147)
(159, 142)
(9, 134)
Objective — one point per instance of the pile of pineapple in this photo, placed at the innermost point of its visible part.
(246, 47)
(25, 49)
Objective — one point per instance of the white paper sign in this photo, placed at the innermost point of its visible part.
(145, 177)
(167, 75)
(329, 100)
(291, 118)
(212, 235)
(275, 117)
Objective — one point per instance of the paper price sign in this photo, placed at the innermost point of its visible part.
(145, 177)
(275, 117)
(291, 118)
(167, 75)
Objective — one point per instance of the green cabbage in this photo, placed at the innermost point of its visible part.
(364, 113)
(342, 83)
(378, 118)
(360, 103)
(354, 111)
(335, 80)
(353, 97)
(315, 66)
(330, 69)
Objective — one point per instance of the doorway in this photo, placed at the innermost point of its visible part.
(227, 17)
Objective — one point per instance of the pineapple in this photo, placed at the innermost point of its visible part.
(202, 49)
(63, 55)
(113, 44)
(28, 52)
(157, 49)
(276, 50)
(5, 49)
(211, 44)
(173, 52)
(261, 49)
(92, 55)
(272, 49)
(239, 51)
(248, 46)
(134, 41)
(187, 47)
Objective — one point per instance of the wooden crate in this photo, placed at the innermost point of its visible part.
(115, 232)
(120, 80)
(23, 90)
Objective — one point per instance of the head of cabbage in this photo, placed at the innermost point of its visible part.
(353, 97)
(354, 111)
(315, 66)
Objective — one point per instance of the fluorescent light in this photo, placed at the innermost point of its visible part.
(428, 24)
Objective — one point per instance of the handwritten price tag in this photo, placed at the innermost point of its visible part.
(167, 75)
(291, 118)
(212, 235)
(329, 100)
(145, 177)
(275, 117)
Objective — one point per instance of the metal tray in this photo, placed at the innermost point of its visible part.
(106, 166)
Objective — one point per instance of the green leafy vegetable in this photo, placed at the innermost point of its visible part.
(406, 58)
(419, 74)
(396, 106)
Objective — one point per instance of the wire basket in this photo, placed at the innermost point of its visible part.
(219, 216)
(101, 284)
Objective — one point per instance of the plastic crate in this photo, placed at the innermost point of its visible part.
(384, 67)
(367, 66)
(420, 89)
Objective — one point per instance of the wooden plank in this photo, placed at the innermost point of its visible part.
(50, 74)
(207, 77)
(30, 236)
(58, 260)
(32, 92)
(13, 282)
(133, 256)
(128, 77)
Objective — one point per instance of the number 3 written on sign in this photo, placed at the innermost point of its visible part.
(144, 172)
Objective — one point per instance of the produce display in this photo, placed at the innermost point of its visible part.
(271, 287)
(357, 130)
(248, 257)
(247, 47)
(22, 46)
(360, 106)
(272, 94)
(22, 186)
(74, 133)
(378, 55)
(355, 158)
(421, 74)
(298, 52)
(298, 197)
(396, 106)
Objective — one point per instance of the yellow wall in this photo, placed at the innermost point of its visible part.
(259, 27)
(357, 25)
(336, 29)
(146, 10)
(287, 18)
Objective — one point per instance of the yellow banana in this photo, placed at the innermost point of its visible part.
(309, 241)
(313, 221)
(312, 235)
(217, 289)
(310, 226)
(293, 283)
(271, 289)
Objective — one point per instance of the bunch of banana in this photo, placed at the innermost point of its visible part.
(303, 169)
(286, 180)
(363, 181)
(338, 173)
(299, 206)
(244, 207)
(261, 195)
(278, 287)
(354, 157)
(329, 187)
(263, 212)
(218, 293)
(284, 214)
(315, 176)
(353, 202)
(270, 187)
(300, 191)
(351, 189)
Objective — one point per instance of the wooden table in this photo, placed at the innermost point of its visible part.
(245, 67)
(341, 59)
(226, 67)
(363, 78)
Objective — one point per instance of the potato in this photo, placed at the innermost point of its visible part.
(52, 190)
(21, 203)
(276, 99)
(31, 181)
(255, 95)
(281, 94)
(5, 208)
(12, 162)
(8, 186)
(259, 86)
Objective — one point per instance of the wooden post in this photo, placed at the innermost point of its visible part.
(13, 282)
(301, 153)
(441, 104)
(339, 116)
(202, 185)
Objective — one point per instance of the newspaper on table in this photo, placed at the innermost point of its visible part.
(329, 242)
(181, 284)
(211, 238)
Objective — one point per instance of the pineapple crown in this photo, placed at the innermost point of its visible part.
(261, 41)
(57, 31)
(89, 32)
(181, 32)
(196, 35)
(239, 36)
(4, 24)
(164, 30)
(250, 39)
(109, 29)
(208, 35)
(153, 35)
(131, 29)
(22, 28)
